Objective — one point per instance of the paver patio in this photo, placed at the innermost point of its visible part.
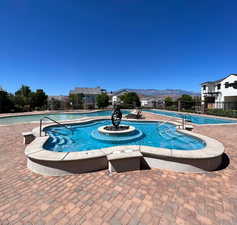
(149, 197)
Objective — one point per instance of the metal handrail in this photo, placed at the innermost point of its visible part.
(185, 119)
(46, 117)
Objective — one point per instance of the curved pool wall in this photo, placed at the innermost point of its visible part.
(117, 139)
(192, 118)
(6, 120)
(51, 163)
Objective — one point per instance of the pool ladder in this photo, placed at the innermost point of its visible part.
(185, 118)
(60, 124)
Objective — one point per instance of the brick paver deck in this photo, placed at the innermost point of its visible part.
(149, 197)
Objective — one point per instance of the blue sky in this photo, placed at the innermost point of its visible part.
(59, 44)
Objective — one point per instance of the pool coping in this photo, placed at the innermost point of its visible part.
(7, 115)
(104, 131)
(196, 124)
(48, 112)
(36, 151)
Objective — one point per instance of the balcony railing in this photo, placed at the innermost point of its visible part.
(211, 93)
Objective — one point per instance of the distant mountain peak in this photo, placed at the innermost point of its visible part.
(163, 92)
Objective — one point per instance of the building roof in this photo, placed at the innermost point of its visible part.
(87, 91)
(120, 92)
(151, 98)
(217, 81)
(58, 97)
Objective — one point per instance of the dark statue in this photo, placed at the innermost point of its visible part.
(116, 117)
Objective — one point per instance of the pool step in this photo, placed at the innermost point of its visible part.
(171, 136)
(62, 141)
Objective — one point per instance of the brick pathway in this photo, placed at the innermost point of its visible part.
(149, 197)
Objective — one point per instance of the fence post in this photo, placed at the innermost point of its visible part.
(179, 105)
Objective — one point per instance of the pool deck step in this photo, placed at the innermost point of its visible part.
(121, 161)
(28, 137)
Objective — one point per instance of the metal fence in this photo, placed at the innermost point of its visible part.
(218, 108)
(221, 105)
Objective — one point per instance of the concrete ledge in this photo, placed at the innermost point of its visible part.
(125, 164)
(28, 137)
(104, 131)
(84, 155)
(123, 155)
(121, 161)
(188, 127)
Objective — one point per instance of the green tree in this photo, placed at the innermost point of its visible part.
(102, 100)
(186, 101)
(76, 101)
(186, 98)
(6, 103)
(130, 100)
(23, 98)
(168, 101)
(24, 91)
(38, 99)
(54, 104)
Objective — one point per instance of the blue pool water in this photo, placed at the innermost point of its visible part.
(193, 118)
(55, 116)
(154, 134)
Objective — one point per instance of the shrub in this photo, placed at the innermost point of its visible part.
(222, 112)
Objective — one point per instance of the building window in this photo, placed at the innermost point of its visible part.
(218, 86)
(204, 87)
(226, 84)
(234, 85)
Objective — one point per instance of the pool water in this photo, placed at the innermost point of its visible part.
(193, 118)
(154, 134)
(55, 116)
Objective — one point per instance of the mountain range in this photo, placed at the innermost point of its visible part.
(161, 93)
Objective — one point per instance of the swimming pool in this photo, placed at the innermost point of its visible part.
(154, 134)
(55, 116)
(193, 118)
(67, 152)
